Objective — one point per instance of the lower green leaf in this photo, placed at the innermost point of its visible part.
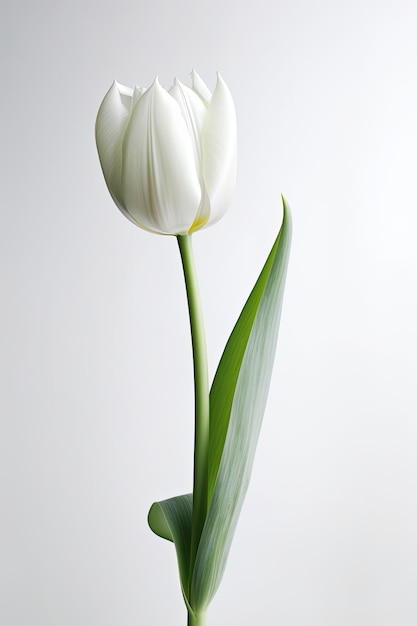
(171, 519)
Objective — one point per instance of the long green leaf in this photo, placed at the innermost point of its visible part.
(237, 403)
(171, 519)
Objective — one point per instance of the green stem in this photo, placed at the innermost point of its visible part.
(196, 620)
(201, 396)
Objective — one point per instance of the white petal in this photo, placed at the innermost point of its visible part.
(200, 87)
(194, 113)
(137, 93)
(161, 189)
(125, 93)
(112, 119)
(219, 151)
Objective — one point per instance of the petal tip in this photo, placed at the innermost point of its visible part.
(156, 85)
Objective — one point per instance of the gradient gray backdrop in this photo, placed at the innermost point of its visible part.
(96, 375)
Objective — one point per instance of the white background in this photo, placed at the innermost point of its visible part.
(96, 376)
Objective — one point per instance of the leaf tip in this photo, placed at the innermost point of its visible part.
(286, 213)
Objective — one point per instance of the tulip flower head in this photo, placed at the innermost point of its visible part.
(169, 157)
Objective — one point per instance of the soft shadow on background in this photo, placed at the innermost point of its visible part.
(96, 376)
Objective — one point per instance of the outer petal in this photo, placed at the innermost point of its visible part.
(200, 87)
(161, 189)
(112, 119)
(219, 151)
(194, 113)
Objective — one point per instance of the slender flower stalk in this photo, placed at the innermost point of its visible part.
(196, 620)
(201, 391)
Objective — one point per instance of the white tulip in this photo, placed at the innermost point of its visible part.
(169, 157)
